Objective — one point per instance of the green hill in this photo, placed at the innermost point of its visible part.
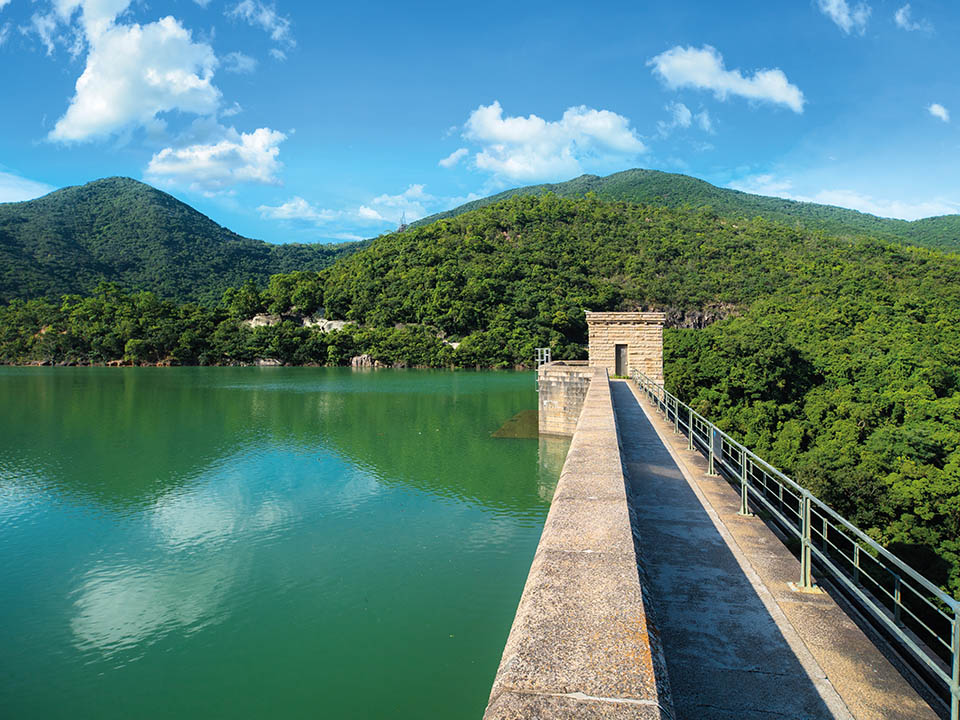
(673, 190)
(836, 358)
(124, 231)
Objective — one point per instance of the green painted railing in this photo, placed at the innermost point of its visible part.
(914, 613)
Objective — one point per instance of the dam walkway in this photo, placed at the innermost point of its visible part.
(737, 641)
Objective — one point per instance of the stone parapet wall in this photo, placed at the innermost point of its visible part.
(641, 332)
(583, 643)
(562, 388)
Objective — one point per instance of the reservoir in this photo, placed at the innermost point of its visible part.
(254, 542)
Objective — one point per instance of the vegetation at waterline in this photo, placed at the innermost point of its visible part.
(123, 231)
(654, 187)
(838, 359)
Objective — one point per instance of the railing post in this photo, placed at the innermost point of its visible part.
(955, 680)
(689, 428)
(806, 578)
(896, 601)
(676, 416)
(856, 564)
(711, 456)
(744, 499)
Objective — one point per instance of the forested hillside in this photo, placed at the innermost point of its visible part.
(120, 230)
(837, 358)
(678, 191)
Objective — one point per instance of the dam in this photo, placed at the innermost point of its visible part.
(663, 587)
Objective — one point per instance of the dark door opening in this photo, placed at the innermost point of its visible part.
(621, 351)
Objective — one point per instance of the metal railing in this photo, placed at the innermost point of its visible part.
(913, 612)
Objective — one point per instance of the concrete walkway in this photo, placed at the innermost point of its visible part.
(738, 642)
(727, 655)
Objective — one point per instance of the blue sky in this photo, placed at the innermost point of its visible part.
(306, 121)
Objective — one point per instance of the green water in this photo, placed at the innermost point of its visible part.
(261, 542)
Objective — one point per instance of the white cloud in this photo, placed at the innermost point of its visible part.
(214, 167)
(703, 69)
(133, 74)
(265, 16)
(278, 54)
(705, 122)
(847, 18)
(780, 187)
(531, 148)
(680, 117)
(904, 20)
(14, 188)
(383, 212)
(368, 213)
(939, 111)
(4, 3)
(411, 204)
(764, 184)
(237, 62)
(45, 26)
(4, 33)
(296, 209)
(453, 158)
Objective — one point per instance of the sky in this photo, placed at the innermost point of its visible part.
(320, 122)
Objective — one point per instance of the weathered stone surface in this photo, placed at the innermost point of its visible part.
(580, 627)
(521, 706)
(641, 332)
(583, 643)
(591, 524)
(562, 389)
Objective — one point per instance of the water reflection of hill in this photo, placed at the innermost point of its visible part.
(125, 437)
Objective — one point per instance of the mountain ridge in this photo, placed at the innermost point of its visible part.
(118, 229)
(676, 190)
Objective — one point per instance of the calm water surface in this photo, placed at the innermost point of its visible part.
(245, 543)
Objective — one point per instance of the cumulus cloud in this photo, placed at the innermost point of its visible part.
(904, 20)
(296, 208)
(237, 62)
(134, 73)
(368, 213)
(939, 111)
(767, 184)
(847, 18)
(703, 69)
(531, 148)
(14, 188)
(214, 166)
(265, 17)
(4, 33)
(453, 158)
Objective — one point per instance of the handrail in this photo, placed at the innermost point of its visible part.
(920, 615)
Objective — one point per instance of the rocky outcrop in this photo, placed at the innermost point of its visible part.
(324, 325)
(262, 320)
(699, 319)
(363, 361)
